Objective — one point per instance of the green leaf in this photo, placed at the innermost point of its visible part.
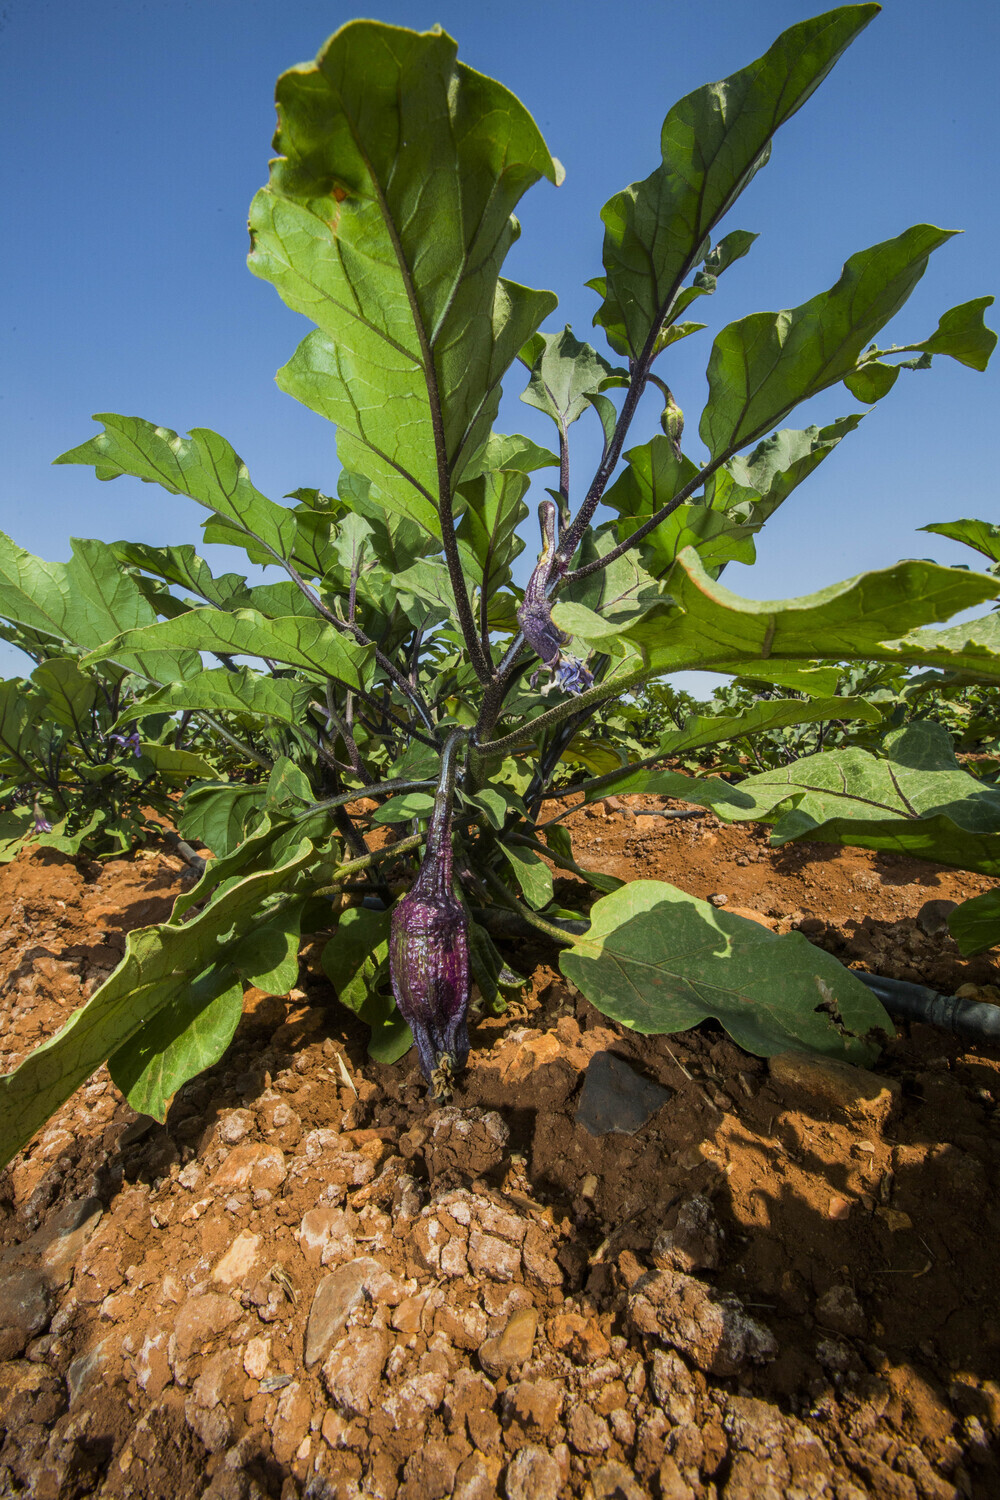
(751, 487)
(489, 971)
(177, 765)
(560, 852)
(217, 815)
(762, 366)
(658, 960)
(962, 334)
(982, 536)
(218, 690)
(70, 693)
(401, 809)
(157, 969)
(190, 1033)
(182, 567)
(386, 220)
(494, 508)
(917, 802)
(708, 626)
(533, 875)
(84, 602)
(356, 963)
(268, 956)
(565, 376)
(975, 925)
(872, 380)
(308, 643)
(204, 467)
(712, 143)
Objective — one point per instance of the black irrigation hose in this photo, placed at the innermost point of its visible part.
(972, 1020)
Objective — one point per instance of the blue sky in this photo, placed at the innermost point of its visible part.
(138, 132)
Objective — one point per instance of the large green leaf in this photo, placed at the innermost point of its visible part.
(712, 143)
(982, 536)
(658, 960)
(762, 366)
(188, 1034)
(184, 568)
(962, 334)
(752, 486)
(158, 967)
(311, 644)
(204, 466)
(861, 618)
(281, 699)
(916, 801)
(217, 815)
(356, 961)
(70, 693)
(386, 220)
(83, 602)
(565, 376)
(975, 925)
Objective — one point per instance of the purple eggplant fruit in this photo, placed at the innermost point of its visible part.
(429, 946)
(535, 615)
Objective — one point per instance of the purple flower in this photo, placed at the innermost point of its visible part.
(429, 947)
(129, 741)
(535, 617)
(42, 824)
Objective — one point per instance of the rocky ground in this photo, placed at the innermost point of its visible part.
(613, 1266)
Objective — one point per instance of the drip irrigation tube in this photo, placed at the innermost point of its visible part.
(972, 1020)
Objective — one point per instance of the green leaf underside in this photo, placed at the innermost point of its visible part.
(157, 968)
(982, 536)
(762, 366)
(218, 690)
(188, 1035)
(356, 963)
(712, 143)
(659, 961)
(975, 925)
(918, 801)
(386, 220)
(312, 644)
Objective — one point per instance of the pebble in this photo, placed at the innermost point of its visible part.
(836, 1086)
(353, 1369)
(840, 1310)
(512, 1346)
(336, 1298)
(614, 1482)
(257, 1357)
(202, 1319)
(476, 1478)
(714, 1332)
(238, 1260)
(719, 899)
(587, 1432)
(532, 1474)
(25, 1308)
(693, 1243)
(533, 1406)
(254, 1165)
(615, 1097)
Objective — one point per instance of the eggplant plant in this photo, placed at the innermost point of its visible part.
(404, 708)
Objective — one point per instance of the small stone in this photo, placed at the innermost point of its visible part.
(894, 1219)
(327, 1234)
(840, 1310)
(615, 1097)
(255, 1165)
(336, 1298)
(60, 1241)
(491, 1256)
(85, 1369)
(613, 1481)
(587, 1432)
(238, 1260)
(531, 1407)
(430, 1471)
(694, 1241)
(353, 1369)
(835, 1086)
(933, 917)
(673, 1386)
(214, 1428)
(291, 1421)
(673, 1485)
(719, 899)
(25, 1308)
(839, 1207)
(257, 1357)
(202, 1319)
(234, 1124)
(532, 1474)
(512, 1346)
(713, 1331)
(218, 1379)
(476, 1478)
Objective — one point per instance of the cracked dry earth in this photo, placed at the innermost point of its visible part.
(311, 1283)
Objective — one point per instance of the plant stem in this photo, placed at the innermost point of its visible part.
(509, 900)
